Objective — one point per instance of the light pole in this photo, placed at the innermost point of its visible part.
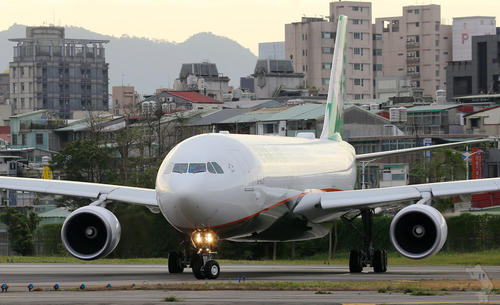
(363, 166)
(467, 161)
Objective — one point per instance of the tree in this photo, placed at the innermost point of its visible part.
(20, 229)
(83, 160)
(445, 164)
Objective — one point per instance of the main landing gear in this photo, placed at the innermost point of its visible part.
(198, 259)
(366, 256)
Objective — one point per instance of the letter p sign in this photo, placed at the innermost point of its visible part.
(465, 37)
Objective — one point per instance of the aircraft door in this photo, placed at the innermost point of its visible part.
(245, 168)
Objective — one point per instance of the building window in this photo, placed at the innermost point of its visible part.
(357, 51)
(24, 138)
(437, 72)
(329, 35)
(377, 67)
(357, 82)
(377, 36)
(437, 43)
(395, 25)
(327, 50)
(327, 66)
(445, 37)
(357, 35)
(15, 88)
(22, 103)
(377, 52)
(355, 21)
(417, 24)
(357, 96)
(357, 66)
(437, 57)
(417, 11)
(474, 123)
(39, 138)
(410, 11)
(326, 81)
(355, 8)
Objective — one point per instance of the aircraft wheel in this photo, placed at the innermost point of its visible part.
(174, 262)
(378, 261)
(355, 261)
(212, 269)
(199, 270)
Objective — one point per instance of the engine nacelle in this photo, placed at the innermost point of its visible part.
(418, 231)
(90, 233)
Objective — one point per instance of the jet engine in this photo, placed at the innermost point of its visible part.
(418, 231)
(90, 233)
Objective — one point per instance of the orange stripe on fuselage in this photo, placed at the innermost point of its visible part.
(258, 213)
(246, 218)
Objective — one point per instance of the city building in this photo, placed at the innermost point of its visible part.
(485, 122)
(272, 50)
(5, 88)
(125, 99)
(35, 129)
(273, 77)
(464, 29)
(310, 43)
(61, 75)
(415, 44)
(203, 78)
(478, 78)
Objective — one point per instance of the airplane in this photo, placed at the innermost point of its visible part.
(253, 188)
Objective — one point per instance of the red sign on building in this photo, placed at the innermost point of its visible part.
(477, 163)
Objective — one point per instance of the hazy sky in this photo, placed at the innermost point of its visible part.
(246, 21)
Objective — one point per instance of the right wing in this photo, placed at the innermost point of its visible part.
(320, 207)
(133, 195)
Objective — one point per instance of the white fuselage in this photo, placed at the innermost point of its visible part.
(262, 179)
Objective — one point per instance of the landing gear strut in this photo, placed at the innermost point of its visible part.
(366, 256)
(198, 256)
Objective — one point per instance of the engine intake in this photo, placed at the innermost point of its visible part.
(90, 233)
(418, 231)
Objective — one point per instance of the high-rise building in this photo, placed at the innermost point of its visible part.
(310, 43)
(125, 99)
(463, 30)
(415, 44)
(59, 74)
(4, 88)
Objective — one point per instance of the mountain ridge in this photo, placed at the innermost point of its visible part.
(149, 64)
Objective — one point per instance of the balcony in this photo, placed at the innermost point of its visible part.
(413, 60)
(413, 74)
(28, 125)
(413, 45)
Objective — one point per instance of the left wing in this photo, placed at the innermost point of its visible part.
(320, 207)
(100, 192)
(387, 153)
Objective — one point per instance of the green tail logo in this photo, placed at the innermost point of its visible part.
(334, 114)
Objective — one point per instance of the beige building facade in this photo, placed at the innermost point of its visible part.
(310, 43)
(125, 100)
(415, 44)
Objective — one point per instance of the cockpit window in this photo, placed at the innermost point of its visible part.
(210, 168)
(180, 168)
(197, 167)
(169, 168)
(217, 168)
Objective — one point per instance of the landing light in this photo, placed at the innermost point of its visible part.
(203, 238)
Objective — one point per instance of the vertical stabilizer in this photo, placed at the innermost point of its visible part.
(334, 113)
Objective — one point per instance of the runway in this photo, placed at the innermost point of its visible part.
(70, 276)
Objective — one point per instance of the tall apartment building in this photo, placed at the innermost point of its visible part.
(4, 88)
(310, 43)
(125, 98)
(415, 44)
(59, 74)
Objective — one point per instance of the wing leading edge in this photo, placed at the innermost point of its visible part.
(320, 207)
(139, 196)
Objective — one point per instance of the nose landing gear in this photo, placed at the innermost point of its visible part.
(200, 261)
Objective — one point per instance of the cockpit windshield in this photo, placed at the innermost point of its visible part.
(194, 168)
